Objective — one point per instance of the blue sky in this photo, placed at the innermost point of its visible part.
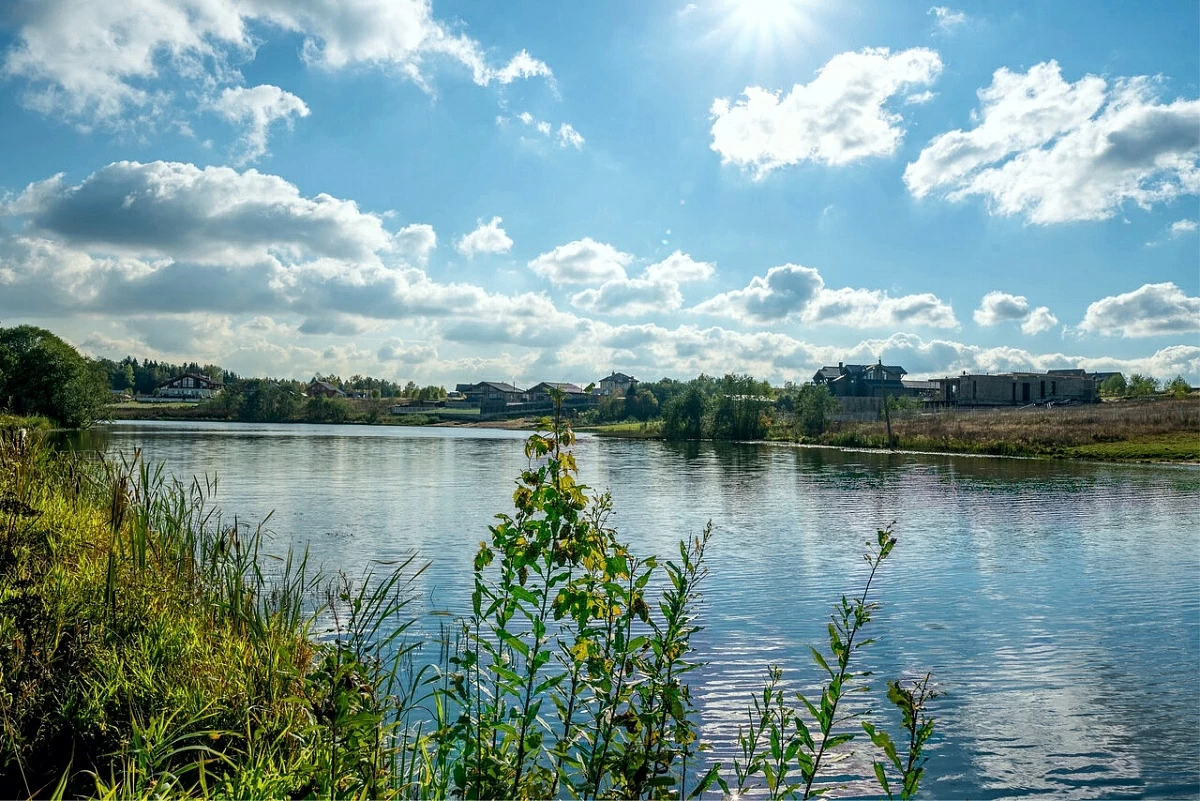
(547, 191)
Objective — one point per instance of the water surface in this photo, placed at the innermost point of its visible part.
(1057, 603)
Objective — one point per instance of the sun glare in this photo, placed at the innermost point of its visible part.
(767, 24)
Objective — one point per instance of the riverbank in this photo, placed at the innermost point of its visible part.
(1148, 430)
(144, 651)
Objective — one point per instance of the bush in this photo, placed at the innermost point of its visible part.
(41, 374)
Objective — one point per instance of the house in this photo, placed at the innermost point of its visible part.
(543, 389)
(574, 395)
(616, 384)
(1015, 389)
(863, 380)
(358, 394)
(323, 389)
(491, 396)
(191, 386)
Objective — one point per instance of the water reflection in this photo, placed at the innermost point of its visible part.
(1057, 603)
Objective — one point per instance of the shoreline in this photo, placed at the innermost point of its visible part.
(1141, 450)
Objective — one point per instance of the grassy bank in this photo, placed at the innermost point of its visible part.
(149, 647)
(629, 430)
(12, 422)
(1159, 429)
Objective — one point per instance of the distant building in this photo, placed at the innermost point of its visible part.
(616, 384)
(1015, 389)
(863, 380)
(189, 386)
(574, 397)
(491, 396)
(323, 389)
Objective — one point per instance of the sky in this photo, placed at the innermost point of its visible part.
(546, 191)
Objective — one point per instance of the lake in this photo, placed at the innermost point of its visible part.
(1056, 603)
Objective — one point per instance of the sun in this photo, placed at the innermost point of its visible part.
(761, 26)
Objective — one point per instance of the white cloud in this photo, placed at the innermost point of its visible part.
(791, 292)
(258, 108)
(417, 241)
(213, 215)
(489, 237)
(1181, 227)
(947, 19)
(1150, 310)
(568, 136)
(838, 118)
(1039, 320)
(397, 350)
(1054, 151)
(999, 307)
(95, 62)
(657, 290)
(584, 261)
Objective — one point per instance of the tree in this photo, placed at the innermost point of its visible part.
(1114, 386)
(813, 405)
(1141, 386)
(1178, 387)
(683, 417)
(41, 374)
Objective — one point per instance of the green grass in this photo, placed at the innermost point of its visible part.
(1181, 447)
(149, 647)
(630, 430)
(12, 422)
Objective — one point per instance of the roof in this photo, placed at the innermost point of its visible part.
(198, 376)
(326, 386)
(618, 377)
(1076, 372)
(832, 373)
(570, 389)
(499, 386)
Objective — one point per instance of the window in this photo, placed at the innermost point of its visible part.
(974, 390)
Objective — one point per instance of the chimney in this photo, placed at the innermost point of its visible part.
(839, 365)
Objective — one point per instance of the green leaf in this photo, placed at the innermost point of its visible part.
(820, 660)
(882, 778)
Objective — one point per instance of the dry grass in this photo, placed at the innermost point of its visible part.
(1057, 431)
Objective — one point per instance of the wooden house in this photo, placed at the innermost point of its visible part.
(189, 386)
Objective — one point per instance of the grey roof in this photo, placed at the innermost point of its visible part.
(618, 377)
(197, 376)
(499, 386)
(570, 389)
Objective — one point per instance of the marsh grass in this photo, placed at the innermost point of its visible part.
(149, 647)
(1059, 431)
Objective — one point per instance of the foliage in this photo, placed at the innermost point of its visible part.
(326, 410)
(41, 374)
(1114, 386)
(783, 747)
(1141, 386)
(563, 629)
(1178, 387)
(683, 417)
(145, 649)
(811, 406)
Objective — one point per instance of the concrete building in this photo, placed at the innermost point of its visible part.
(1014, 389)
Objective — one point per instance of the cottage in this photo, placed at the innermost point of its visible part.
(616, 384)
(863, 380)
(1015, 389)
(491, 396)
(323, 389)
(191, 386)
